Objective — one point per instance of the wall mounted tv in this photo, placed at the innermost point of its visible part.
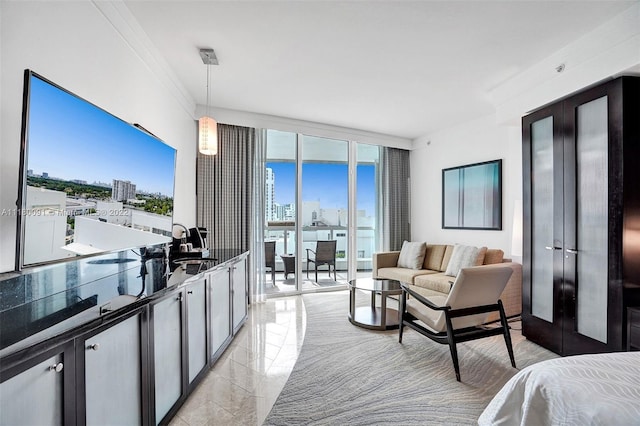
(89, 181)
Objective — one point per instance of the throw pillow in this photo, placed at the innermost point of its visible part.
(462, 257)
(493, 256)
(412, 255)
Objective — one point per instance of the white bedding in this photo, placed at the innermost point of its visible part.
(602, 389)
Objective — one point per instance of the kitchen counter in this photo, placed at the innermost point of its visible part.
(55, 302)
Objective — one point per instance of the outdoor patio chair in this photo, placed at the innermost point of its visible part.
(270, 258)
(324, 254)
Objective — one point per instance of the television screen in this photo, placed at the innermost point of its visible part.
(90, 182)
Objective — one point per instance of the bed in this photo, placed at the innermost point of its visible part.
(602, 389)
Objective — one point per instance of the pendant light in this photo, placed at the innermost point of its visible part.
(207, 126)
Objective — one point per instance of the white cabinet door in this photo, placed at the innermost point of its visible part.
(239, 282)
(113, 376)
(34, 396)
(219, 287)
(167, 350)
(196, 327)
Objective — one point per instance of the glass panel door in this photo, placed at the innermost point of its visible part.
(592, 138)
(543, 207)
(280, 211)
(367, 172)
(321, 211)
(325, 202)
(542, 244)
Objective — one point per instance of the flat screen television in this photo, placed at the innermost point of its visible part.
(89, 181)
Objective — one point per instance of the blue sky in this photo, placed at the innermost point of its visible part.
(326, 183)
(72, 139)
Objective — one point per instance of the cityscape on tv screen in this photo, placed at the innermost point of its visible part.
(81, 161)
(73, 140)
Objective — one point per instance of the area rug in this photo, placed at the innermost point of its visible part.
(347, 375)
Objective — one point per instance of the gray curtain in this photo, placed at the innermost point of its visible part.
(224, 188)
(257, 291)
(230, 198)
(395, 191)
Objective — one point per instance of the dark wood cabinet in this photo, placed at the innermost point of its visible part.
(111, 360)
(581, 199)
(46, 379)
(239, 291)
(196, 306)
(133, 364)
(168, 331)
(633, 329)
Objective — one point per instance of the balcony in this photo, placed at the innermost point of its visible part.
(283, 233)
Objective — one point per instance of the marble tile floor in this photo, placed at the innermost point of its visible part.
(245, 382)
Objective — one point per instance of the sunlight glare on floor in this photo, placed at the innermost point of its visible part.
(245, 382)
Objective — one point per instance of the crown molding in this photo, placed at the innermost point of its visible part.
(285, 124)
(609, 50)
(125, 24)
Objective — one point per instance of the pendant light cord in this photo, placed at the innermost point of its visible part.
(208, 80)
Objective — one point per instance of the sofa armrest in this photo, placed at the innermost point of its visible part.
(512, 294)
(387, 259)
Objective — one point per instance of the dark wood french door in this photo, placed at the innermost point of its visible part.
(572, 295)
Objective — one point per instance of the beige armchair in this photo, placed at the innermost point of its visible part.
(459, 316)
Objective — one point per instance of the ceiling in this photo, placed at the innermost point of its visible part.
(399, 68)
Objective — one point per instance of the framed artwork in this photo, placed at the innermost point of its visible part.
(472, 196)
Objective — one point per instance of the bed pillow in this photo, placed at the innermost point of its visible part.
(412, 255)
(462, 257)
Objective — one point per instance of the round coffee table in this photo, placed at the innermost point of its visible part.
(374, 317)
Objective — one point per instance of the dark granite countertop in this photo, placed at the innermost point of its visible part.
(46, 302)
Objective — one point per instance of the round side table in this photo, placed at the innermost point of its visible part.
(374, 317)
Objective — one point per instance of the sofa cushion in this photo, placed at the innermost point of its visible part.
(405, 275)
(440, 283)
(427, 292)
(481, 254)
(493, 256)
(433, 256)
(448, 250)
(411, 255)
(462, 257)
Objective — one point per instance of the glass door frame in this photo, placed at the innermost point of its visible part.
(299, 214)
(351, 242)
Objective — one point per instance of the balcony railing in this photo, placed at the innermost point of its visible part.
(283, 232)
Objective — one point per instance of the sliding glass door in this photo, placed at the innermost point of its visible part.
(325, 208)
(321, 225)
(280, 212)
(367, 239)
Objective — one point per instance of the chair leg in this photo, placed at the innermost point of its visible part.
(316, 267)
(452, 346)
(308, 268)
(273, 276)
(507, 334)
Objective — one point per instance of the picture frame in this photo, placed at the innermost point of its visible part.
(472, 196)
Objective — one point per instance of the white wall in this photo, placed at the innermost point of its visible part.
(611, 49)
(76, 45)
(472, 142)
